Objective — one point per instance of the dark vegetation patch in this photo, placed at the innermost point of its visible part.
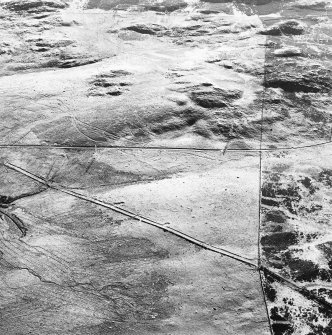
(326, 248)
(279, 241)
(323, 292)
(274, 221)
(292, 194)
(307, 182)
(312, 208)
(280, 313)
(269, 290)
(321, 330)
(325, 177)
(303, 270)
(289, 194)
(269, 189)
(269, 202)
(310, 236)
(282, 328)
(277, 228)
(283, 317)
(276, 216)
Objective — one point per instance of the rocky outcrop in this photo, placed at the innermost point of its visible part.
(148, 29)
(166, 6)
(34, 6)
(192, 33)
(292, 242)
(208, 96)
(311, 4)
(252, 67)
(70, 62)
(287, 52)
(109, 84)
(299, 77)
(290, 27)
(48, 45)
(193, 111)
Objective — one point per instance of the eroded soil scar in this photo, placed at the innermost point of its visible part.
(5, 209)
